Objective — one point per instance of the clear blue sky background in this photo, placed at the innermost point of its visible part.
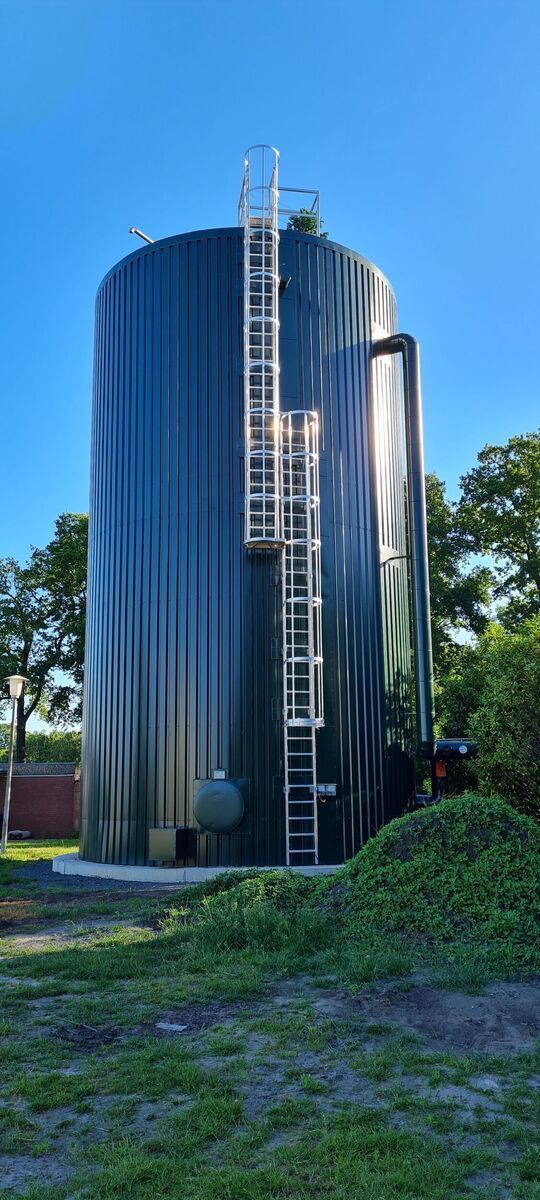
(418, 121)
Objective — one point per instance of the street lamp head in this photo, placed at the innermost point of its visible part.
(16, 685)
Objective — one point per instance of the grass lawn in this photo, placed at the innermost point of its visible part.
(149, 1056)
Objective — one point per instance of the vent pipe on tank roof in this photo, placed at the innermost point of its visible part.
(142, 235)
(407, 346)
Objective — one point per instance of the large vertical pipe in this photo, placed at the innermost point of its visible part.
(407, 346)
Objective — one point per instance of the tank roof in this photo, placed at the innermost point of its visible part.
(175, 239)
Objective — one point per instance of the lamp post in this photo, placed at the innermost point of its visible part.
(16, 686)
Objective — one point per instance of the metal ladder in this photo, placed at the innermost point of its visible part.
(258, 213)
(282, 505)
(302, 631)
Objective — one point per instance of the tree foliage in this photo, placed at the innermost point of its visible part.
(506, 716)
(42, 620)
(499, 515)
(491, 692)
(56, 746)
(489, 688)
(305, 221)
(459, 592)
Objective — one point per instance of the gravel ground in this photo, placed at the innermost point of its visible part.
(42, 874)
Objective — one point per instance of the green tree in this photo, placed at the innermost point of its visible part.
(56, 746)
(499, 514)
(42, 619)
(490, 691)
(458, 685)
(305, 221)
(506, 717)
(460, 592)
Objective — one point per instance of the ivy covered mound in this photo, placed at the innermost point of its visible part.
(458, 884)
(467, 869)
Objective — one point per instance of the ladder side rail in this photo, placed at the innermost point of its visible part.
(286, 522)
(315, 517)
(300, 589)
(310, 580)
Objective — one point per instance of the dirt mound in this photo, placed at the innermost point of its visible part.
(469, 867)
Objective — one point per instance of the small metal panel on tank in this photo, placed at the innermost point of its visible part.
(183, 661)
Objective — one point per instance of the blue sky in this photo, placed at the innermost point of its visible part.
(418, 122)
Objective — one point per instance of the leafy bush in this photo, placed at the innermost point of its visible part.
(491, 692)
(46, 747)
(506, 721)
(467, 868)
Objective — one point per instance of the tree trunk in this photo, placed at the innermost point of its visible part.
(20, 746)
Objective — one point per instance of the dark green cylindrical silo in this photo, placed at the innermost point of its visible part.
(183, 663)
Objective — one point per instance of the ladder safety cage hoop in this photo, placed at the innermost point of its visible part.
(258, 213)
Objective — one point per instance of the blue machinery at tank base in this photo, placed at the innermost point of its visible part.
(251, 564)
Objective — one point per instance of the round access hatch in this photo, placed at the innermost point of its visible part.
(219, 806)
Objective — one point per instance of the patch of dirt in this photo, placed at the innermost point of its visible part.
(44, 1002)
(278, 1140)
(148, 1113)
(268, 1084)
(87, 1037)
(485, 1083)
(18, 1171)
(199, 1017)
(266, 1087)
(269, 1080)
(25, 933)
(71, 1131)
(506, 1018)
(487, 1179)
(19, 980)
(466, 1100)
(508, 1151)
(256, 1044)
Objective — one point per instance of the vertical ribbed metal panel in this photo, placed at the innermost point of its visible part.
(327, 315)
(182, 623)
(183, 655)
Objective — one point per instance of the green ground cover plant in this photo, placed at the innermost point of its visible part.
(459, 880)
(464, 871)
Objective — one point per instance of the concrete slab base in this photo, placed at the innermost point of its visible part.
(71, 864)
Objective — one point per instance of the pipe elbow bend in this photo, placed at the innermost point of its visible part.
(395, 343)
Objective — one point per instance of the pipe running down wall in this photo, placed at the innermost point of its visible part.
(407, 346)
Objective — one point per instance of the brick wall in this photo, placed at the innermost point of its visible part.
(43, 802)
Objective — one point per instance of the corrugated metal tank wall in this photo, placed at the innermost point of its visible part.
(336, 302)
(183, 671)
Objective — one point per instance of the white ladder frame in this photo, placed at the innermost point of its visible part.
(303, 710)
(282, 499)
(258, 213)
